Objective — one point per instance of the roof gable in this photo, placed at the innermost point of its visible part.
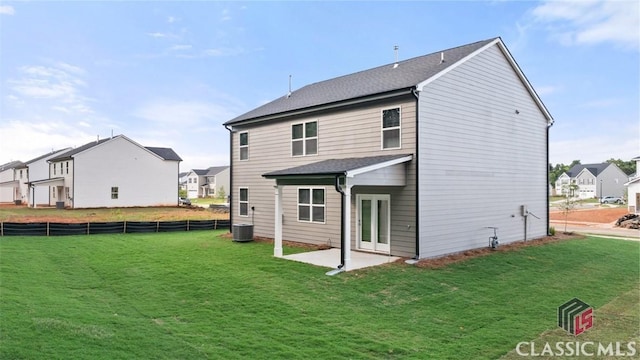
(162, 153)
(594, 169)
(383, 79)
(214, 170)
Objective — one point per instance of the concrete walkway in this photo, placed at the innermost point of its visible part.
(331, 258)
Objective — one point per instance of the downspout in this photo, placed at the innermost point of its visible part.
(230, 178)
(549, 125)
(342, 200)
(415, 93)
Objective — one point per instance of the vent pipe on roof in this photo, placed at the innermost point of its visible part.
(441, 57)
(97, 138)
(289, 93)
(395, 49)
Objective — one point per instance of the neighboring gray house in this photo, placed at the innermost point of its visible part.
(593, 181)
(211, 182)
(419, 158)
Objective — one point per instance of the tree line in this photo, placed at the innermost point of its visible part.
(629, 167)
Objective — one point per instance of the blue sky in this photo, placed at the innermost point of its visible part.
(170, 73)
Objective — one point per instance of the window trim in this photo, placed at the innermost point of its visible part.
(240, 201)
(240, 146)
(311, 204)
(383, 129)
(305, 138)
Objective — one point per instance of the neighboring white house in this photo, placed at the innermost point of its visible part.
(12, 174)
(37, 169)
(210, 182)
(633, 189)
(419, 158)
(113, 172)
(593, 181)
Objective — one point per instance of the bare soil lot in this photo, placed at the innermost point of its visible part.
(23, 214)
(602, 215)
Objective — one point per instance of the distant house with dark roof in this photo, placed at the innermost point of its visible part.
(592, 181)
(418, 158)
(113, 172)
(210, 182)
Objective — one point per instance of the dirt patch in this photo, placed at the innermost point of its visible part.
(440, 262)
(599, 215)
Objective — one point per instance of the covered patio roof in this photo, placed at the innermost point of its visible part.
(378, 168)
(59, 181)
(10, 184)
(383, 170)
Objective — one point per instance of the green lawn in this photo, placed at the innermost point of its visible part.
(198, 296)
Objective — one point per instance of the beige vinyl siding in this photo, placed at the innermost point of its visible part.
(479, 159)
(355, 132)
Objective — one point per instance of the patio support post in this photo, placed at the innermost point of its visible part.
(346, 242)
(277, 243)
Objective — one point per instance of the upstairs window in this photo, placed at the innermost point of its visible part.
(67, 167)
(243, 202)
(244, 146)
(304, 139)
(54, 168)
(311, 205)
(391, 128)
(114, 192)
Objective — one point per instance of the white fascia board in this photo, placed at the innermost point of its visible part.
(362, 170)
(514, 65)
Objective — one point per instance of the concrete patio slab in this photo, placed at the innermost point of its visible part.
(331, 258)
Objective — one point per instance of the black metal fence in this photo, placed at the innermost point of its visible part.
(120, 227)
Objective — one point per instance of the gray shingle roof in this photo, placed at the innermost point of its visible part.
(165, 153)
(595, 169)
(382, 79)
(69, 154)
(11, 165)
(214, 170)
(333, 166)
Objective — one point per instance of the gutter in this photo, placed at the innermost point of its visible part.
(230, 177)
(549, 125)
(416, 93)
(337, 104)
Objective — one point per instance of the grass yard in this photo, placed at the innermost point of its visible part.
(197, 295)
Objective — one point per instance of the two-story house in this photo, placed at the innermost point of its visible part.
(37, 169)
(210, 182)
(592, 181)
(113, 172)
(633, 189)
(418, 158)
(12, 174)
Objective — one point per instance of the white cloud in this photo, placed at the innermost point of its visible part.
(592, 22)
(159, 35)
(172, 19)
(60, 83)
(180, 47)
(182, 113)
(547, 90)
(223, 51)
(226, 15)
(7, 10)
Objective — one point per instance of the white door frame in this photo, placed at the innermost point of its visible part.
(374, 245)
